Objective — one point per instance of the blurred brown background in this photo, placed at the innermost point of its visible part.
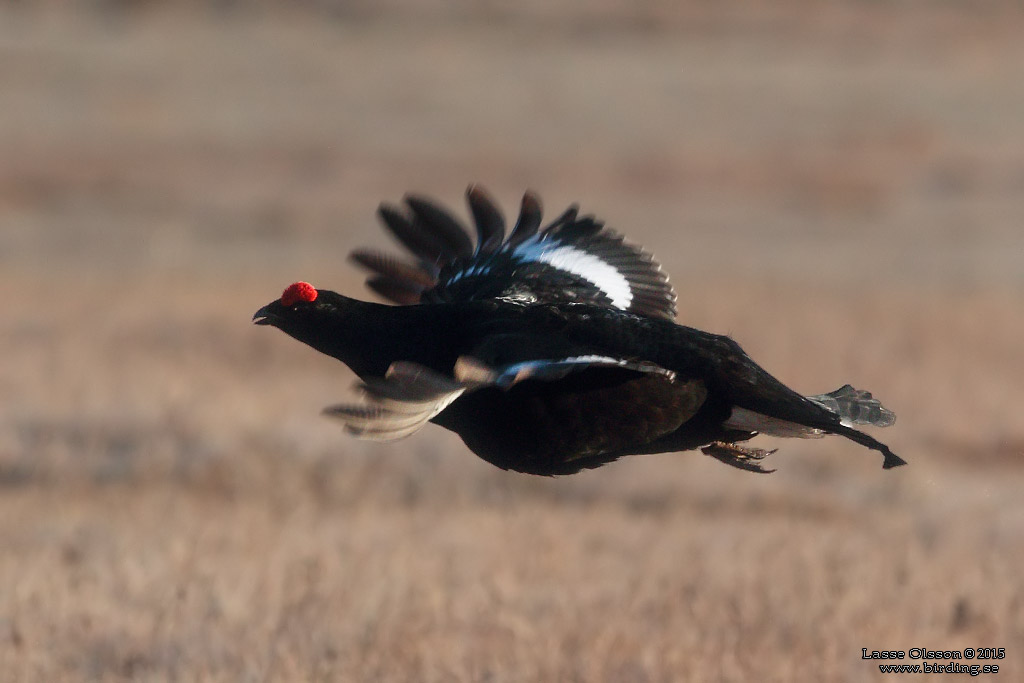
(840, 188)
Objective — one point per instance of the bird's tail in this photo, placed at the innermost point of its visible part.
(891, 459)
(855, 407)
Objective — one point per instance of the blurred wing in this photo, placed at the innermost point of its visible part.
(574, 259)
(574, 408)
(402, 402)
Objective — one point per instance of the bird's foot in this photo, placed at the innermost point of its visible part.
(738, 456)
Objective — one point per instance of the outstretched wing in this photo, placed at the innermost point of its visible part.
(574, 259)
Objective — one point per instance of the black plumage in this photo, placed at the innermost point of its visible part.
(548, 352)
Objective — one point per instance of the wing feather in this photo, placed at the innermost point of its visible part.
(530, 216)
(398, 405)
(490, 224)
(448, 231)
(385, 264)
(423, 245)
(399, 291)
(574, 259)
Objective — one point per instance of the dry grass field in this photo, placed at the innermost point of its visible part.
(840, 189)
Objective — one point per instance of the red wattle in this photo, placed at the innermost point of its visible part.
(300, 291)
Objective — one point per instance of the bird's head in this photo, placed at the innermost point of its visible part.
(347, 329)
(298, 302)
(303, 310)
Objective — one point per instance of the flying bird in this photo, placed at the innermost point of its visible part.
(549, 350)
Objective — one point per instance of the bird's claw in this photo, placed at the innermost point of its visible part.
(738, 456)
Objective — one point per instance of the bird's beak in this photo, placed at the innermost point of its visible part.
(264, 316)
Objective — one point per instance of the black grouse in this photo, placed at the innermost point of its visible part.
(548, 351)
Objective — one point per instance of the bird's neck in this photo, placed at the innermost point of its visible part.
(369, 337)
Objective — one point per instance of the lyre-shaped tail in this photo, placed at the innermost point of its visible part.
(855, 407)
